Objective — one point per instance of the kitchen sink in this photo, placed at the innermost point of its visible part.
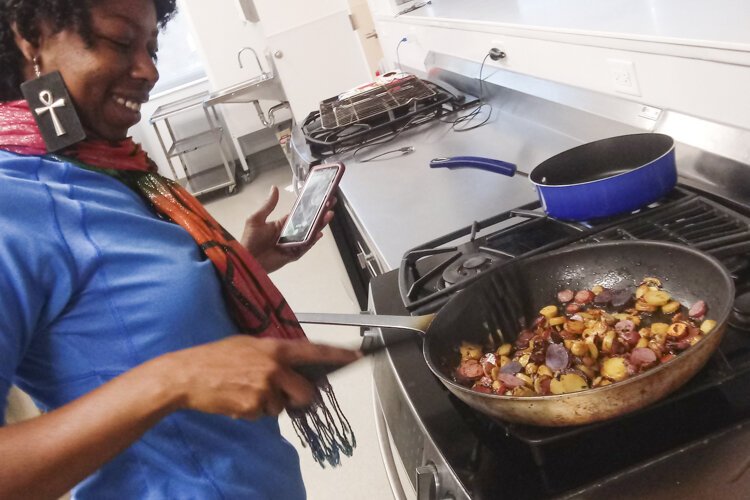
(262, 87)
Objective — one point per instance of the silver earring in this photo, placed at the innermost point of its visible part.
(37, 70)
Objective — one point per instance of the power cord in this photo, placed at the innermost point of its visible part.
(470, 117)
(398, 56)
(404, 150)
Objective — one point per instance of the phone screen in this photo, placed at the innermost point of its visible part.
(310, 202)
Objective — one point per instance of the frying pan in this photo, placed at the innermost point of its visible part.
(510, 293)
(597, 179)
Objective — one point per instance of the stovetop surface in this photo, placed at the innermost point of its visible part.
(532, 462)
(536, 462)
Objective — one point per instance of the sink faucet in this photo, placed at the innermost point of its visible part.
(257, 60)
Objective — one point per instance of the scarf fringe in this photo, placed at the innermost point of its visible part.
(327, 434)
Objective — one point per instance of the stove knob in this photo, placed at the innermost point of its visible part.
(427, 482)
(366, 260)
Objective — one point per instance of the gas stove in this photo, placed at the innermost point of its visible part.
(657, 452)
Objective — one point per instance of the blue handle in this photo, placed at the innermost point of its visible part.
(489, 164)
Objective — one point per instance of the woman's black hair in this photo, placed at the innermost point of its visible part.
(27, 15)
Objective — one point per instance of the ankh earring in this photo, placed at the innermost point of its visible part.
(53, 109)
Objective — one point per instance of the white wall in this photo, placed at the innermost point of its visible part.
(279, 16)
(221, 33)
(697, 64)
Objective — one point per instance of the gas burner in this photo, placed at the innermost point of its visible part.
(740, 317)
(464, 268)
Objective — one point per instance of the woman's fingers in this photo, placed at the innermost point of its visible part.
(250, 377)
(260, 216)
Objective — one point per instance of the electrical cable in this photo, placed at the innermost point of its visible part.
(477, 111)
(404, 150)
(398, 56)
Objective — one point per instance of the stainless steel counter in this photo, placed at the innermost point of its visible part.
(400, 202)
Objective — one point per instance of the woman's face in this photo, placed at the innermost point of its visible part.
(110, 79)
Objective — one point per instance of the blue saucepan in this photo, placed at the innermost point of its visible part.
(597, 179)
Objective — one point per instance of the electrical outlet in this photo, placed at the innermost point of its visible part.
(500, 45)
(623, 76)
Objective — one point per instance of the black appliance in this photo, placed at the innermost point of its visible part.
(377, 113)
(657, 452)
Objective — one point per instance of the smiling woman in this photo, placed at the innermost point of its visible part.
(107, 62)
(126, 311)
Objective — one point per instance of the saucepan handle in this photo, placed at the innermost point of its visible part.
(489, 164)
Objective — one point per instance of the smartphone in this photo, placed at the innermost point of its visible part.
(305, 218)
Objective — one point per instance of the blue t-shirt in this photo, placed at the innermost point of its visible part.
(92, 284)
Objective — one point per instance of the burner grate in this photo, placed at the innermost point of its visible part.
(684, 217)
(696, 222)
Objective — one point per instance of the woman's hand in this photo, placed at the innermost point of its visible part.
(240, 376)
(260, 235)
(247, 377)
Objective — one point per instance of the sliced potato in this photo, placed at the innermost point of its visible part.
(659, 328)
(575, 326)
(615, 369)
(708, 325)
(608, 340)
(670, 307)
(593, 351)
(548, 311)
(643, 306)
(656, 298)
(504, 350)
(557, 320)
(579, 348)
(470, 351)
(527, 380)
(588, 371)
(523, 391)
(544, 370)
(524, 360)
(568, 382)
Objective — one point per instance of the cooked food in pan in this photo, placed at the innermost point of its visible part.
(587, 339)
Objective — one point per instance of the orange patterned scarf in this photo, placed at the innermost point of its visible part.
(256, 305)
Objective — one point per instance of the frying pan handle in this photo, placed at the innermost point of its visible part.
(489, 164)
(370, 345)
(413, 323)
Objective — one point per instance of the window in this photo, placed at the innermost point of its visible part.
(179, 61)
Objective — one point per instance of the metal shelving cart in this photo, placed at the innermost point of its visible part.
(206, 180)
